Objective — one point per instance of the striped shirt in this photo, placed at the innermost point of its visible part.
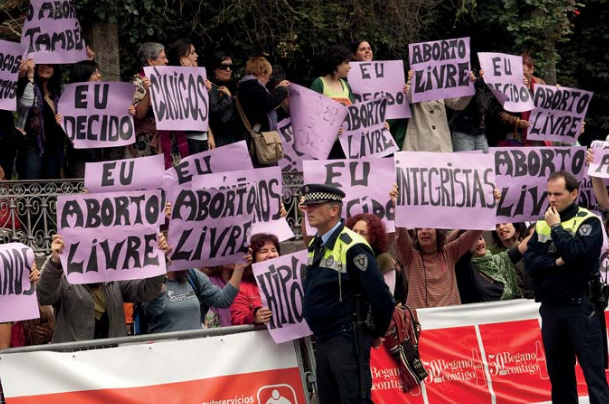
(431, 277)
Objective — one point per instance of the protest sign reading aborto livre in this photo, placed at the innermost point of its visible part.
(559, 113)
(17, 295)
(52, 34)
(96, 114)
(445, 190)
(125, 175)
(377, 79)
(441, 70)
(522, 177)
(179, 97)
(111, 236)
(280, 284)
(210, 227)
(11, 54)
(504, 76)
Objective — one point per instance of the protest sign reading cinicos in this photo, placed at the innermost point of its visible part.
(97, 114)
(445, 191)
(52, 33)
(280, 284)
(17, 295)
(441, 70)
(375, 79)
(179, 97)
(111, 236)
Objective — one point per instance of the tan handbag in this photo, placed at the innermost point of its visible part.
(266, 145)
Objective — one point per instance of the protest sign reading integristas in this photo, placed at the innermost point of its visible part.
(558, 114)
(179, 97)
(11, 54)
(52, 33)
(125, 175)
(267, 192)
(504, 75)
(97, 114)
(445, 190)
(441, 70)
(375, 79)
(111, 236)
(316, 120)
(210, 227)
(522, 176)
(366, 183)
(280, 284)
(365, 134)
(17, 295)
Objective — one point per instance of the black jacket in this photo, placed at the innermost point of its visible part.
(257, 102)
(581, 251)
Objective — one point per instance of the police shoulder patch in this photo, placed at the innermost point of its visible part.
(585, 230)
(361, 262)
(581, 214)
(345, 238)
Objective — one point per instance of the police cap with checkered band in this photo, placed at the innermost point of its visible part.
(321, 193)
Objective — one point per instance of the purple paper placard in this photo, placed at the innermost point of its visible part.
(445, 191)
(504, 76)
(17, 295)
(280, 284)
(125, 175)
(365, 134)
(366, 183)
(587, 198)
(292, 158)
(201, 236)
(179, 97)
(11, 54)
(441, 70)
(96, 114)
(52, 34)
(234, 156)
(316, 120)
(559, 113)
(522, 175)
(99, 229)
(266, 194)
(384, 78)
(600, 166)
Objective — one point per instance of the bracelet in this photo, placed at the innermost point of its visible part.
(555, 225)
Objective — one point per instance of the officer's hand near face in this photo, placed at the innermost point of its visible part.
(552, 216)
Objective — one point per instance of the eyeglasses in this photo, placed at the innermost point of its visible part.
(225, 67)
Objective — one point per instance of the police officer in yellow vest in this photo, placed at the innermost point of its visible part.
(343, 291)
(563, 260)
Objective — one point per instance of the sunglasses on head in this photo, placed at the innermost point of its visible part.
(225, 66)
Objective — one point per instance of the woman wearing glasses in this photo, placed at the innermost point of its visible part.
(222, 110)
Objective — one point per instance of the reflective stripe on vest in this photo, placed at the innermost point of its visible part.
(544, 231)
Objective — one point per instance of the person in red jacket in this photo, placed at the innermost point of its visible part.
(247, 307)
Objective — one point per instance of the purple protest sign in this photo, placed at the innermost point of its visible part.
(316, 120)
(445, 191)
(266, 193)
(209, 227)
(96, 114)
(179, 97)
(366, 184)
(504, 75)
(17, 295)
(111, 236)
(292, 158)
(370, 80)
(441, 70)
(365, 134)
(587, 198)
(522, 175)
(11, 54)
(280, 284)
(52, 34)
(559, 113)
(600, 166)
(125, 175)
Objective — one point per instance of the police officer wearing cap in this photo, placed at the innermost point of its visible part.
(563, 260)
(347, 304)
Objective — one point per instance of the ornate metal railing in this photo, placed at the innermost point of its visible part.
(28, 212)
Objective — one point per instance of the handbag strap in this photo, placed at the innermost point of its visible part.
(244, 119)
